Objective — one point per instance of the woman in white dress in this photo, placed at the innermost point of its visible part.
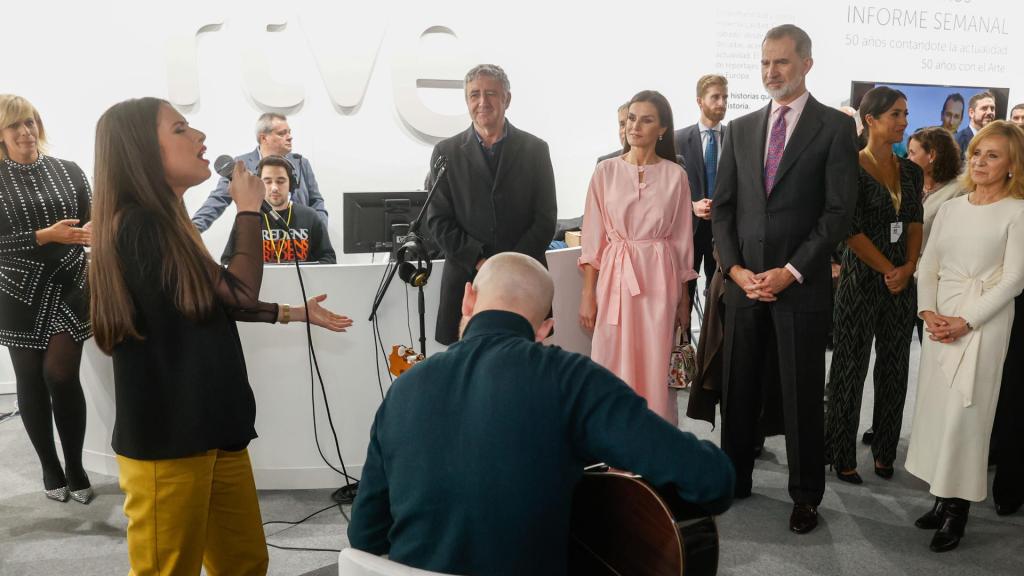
(972, 268)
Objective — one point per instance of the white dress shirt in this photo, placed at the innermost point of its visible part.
(796, 109)
(705, 131)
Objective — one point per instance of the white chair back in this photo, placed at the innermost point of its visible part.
(352, 562)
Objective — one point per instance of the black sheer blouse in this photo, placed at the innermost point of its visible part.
(183, 389)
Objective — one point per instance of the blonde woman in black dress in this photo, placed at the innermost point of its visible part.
(44, 306)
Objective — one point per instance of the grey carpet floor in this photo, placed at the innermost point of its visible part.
(865, 530)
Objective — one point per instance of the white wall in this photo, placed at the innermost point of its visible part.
(570, 65)
(6, 374)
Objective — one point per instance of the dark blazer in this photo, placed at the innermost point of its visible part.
(963, 139)
(475, 215)
(809, 210)
(688, 146)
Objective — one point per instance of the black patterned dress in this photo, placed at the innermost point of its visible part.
(42, 288)
(866, 311)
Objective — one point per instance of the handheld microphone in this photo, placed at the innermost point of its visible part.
(225, 166)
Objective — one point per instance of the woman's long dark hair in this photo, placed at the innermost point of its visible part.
(130, 173)
(875, 103)
(666, 147)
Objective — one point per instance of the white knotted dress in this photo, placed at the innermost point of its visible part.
(972, 267)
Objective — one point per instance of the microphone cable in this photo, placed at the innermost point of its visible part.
(292, 524)
(347, 493)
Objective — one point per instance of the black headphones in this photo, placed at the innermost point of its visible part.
(280, 161)
(417, 274)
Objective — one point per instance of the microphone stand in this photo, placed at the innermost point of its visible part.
(413, 237)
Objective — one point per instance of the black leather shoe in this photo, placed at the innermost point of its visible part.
(948, 536)
(741, 492)
(852, 477)
(1004, 509)
(932, 519)
(803, 519)
(868, 437)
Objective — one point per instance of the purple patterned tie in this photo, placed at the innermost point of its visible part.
(776, 145)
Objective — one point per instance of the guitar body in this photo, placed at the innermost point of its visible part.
(621, 526)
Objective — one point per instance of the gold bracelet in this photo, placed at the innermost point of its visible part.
(286, 314)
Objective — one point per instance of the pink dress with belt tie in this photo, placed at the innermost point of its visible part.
(639, 237)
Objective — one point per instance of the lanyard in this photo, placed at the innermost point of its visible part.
(270, 234)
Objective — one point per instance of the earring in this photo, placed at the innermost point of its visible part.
(660, 138)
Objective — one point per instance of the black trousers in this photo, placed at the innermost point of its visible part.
(703, 253)
(866, 312)
(1008, 428)
(762, 344)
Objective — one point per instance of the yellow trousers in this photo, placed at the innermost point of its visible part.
(186, 513)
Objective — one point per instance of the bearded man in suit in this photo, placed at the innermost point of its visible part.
(787, 187)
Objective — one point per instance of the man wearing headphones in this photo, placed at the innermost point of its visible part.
(274, 137)
(303, 235)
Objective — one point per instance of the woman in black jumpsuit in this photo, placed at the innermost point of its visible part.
(875, 299)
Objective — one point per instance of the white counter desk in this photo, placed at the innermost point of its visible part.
(285, 454)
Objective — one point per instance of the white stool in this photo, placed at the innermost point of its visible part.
(352, 562)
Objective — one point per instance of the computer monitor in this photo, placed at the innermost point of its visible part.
(374, 219)
(928, 102)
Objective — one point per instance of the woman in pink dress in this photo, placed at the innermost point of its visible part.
(637, 254)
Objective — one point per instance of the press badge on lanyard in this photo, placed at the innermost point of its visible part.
(895, 231)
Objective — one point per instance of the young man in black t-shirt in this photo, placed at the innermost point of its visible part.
(307, 239)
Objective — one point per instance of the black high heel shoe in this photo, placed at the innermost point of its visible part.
(884, 471)
(1004, 509)
(851, 477)
(868, 437)
(948, 536)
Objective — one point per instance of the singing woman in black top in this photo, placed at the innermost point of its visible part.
(44, 304)
(166, 312)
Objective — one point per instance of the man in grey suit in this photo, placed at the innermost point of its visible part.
(981, 109)
(700, 145)
(787, 187)
(497, 195)
(273, 138)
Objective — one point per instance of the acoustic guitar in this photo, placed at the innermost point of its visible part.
(624, 527)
